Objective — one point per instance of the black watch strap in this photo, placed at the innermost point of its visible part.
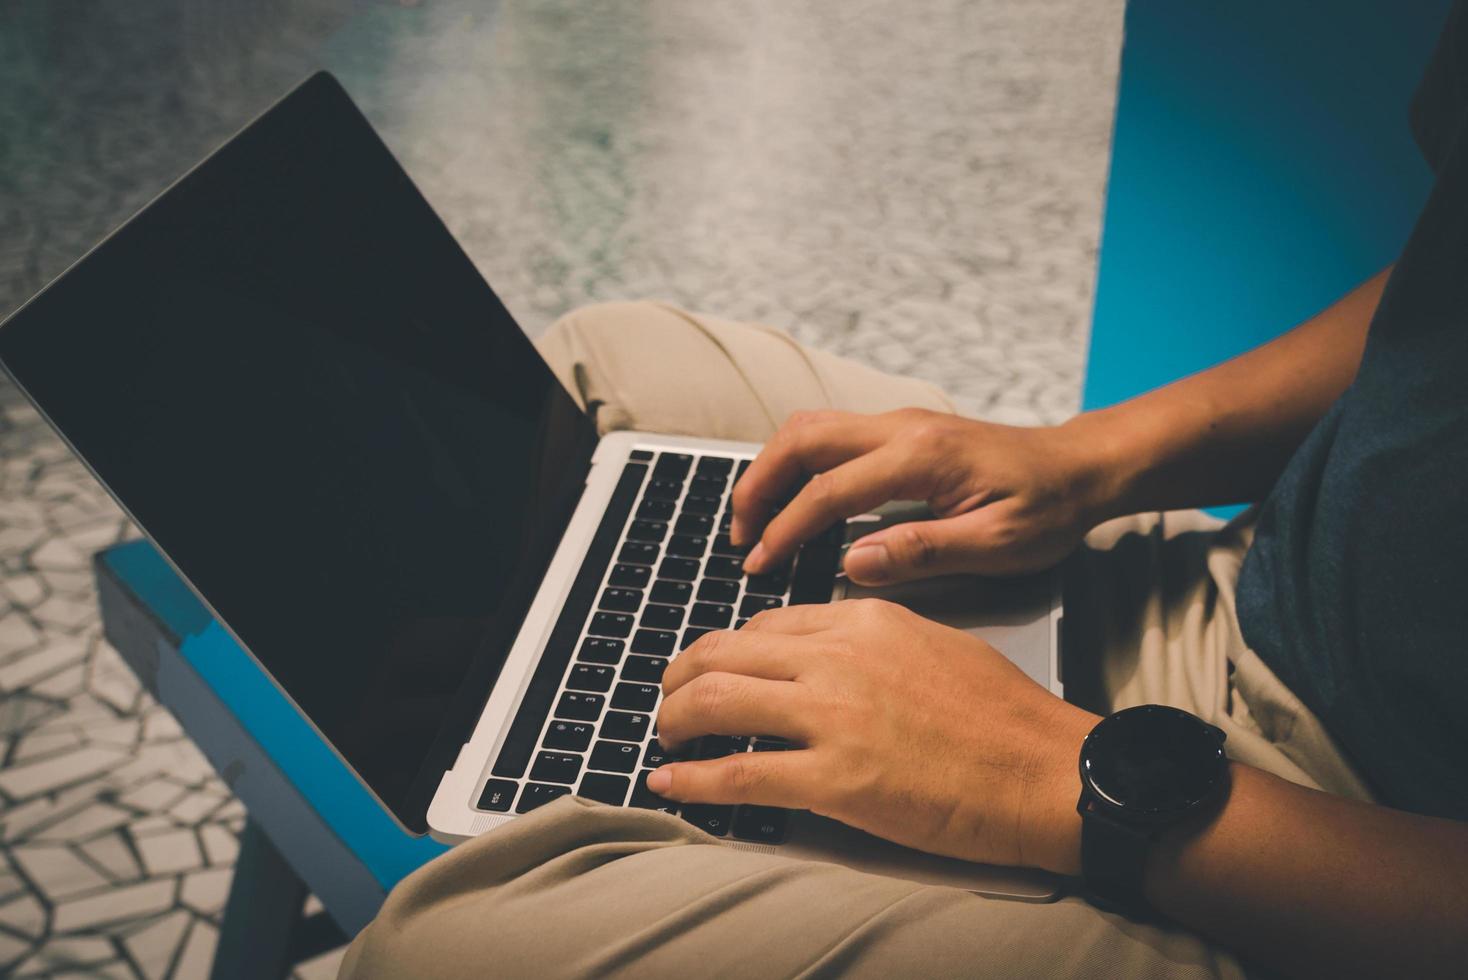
(1113, 862)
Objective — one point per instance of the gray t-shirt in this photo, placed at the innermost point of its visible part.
(1356, 589)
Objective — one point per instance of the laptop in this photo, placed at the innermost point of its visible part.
(295, 382)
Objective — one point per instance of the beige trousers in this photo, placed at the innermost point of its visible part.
(579, 889)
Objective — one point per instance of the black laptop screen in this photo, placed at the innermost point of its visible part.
(290, 374)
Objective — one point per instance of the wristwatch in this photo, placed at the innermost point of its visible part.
(1143, 770)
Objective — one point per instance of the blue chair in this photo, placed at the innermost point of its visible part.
(1261, 167)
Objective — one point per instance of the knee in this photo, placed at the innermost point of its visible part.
(488, 900)
(597, 324)
(603, 353)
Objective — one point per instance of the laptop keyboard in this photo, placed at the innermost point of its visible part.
(660, 572)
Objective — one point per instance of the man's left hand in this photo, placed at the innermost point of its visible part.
(904, 728)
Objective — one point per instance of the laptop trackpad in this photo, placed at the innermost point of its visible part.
(1012, 614)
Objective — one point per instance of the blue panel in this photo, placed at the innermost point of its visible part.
(1262, 165)
(387, 851)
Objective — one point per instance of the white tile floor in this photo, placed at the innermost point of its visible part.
(916, 186)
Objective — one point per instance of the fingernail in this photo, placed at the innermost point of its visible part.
(755, 558)
(660, 780)
(868, 564)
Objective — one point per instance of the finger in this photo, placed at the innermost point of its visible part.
(732, 704)
(852, 488)
(772, 656)
(779, 779)
(808, 442)
(800, 620)
(966, 544)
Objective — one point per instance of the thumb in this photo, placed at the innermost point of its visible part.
(918, 549)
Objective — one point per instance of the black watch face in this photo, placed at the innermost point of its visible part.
(1153, 759)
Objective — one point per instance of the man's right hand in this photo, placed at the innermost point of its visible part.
(1008, 500)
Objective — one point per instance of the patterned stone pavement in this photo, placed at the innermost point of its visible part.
(117, 836)
(914, 185)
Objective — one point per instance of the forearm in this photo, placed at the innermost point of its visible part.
(1316, 885)
(1224, 435)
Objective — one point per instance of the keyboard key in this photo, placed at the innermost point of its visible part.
(643, 455)
(674, 593)
(724, 546)
(688, 546)
(708, 486)
(655, 510)
(620, 600)
(743, 465)
(630, 576)
(635, 697)
(556, 767)
(718, 746)
(568, 736)
(815, 568)
(604, 788)
(647, 531)
(590, 677)
(663, 489)
(611, 624)
(765, 824)
(726, 521)
(694, 524)
(672, 466)
(624, 726)
(614, 756)
(498, 795)
(645, 669)
(768, 584)
(721, 567)
(682, 569)
(701, 505)
(718, 590)
(766, 743)
(660, 617)
(655, 755)
(690, 634)
(638, 553)
(714, 466)
(537, 795)
(714, 614)
(659, 642)
(601, 650)
(756, 604)
(579, 707)
(646, 799)
(711, 819)
(792, 491)
(740, 624)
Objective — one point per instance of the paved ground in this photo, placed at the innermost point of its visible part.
(915, 185)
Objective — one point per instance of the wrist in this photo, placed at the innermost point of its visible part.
(1050, 827)
(1148, 772)
(1173, 850)
(1105, 464)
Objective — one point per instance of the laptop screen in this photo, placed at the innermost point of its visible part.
(297, 383)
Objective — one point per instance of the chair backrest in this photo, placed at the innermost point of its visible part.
(1262, 165)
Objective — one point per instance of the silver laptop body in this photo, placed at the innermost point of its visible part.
(1021, 619)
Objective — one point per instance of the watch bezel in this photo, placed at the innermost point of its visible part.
(1102, 738)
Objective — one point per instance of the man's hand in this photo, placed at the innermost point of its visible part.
(1010, 500)
(904, 728)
